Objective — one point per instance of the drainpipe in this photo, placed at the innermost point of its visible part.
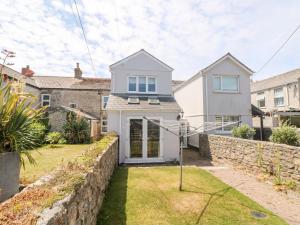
(206, 96)
(120, 127)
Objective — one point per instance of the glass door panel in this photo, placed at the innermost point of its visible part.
(136, 138)
(153, 143)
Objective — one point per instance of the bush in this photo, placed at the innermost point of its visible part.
(76, 129)
(243, 131)
(53, 138)
(285, 134)
(38, 130)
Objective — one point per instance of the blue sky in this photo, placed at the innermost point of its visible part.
(188, 35)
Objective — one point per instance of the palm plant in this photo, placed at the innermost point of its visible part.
(16, 116)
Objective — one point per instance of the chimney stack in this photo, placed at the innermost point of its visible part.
(26, 71)
(77, 72)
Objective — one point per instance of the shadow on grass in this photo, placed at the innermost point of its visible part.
(214, 196)
(113, 210)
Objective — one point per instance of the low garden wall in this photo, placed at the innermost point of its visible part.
(276, 159)
(83, 205)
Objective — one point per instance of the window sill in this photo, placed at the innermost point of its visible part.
(227, 92)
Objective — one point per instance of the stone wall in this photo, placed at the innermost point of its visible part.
(253, 155)
(82, 207)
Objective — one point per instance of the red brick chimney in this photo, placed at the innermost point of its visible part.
(77, 72)
(27, 71)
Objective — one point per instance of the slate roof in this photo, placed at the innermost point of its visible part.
(58, 82)
(275, 81)
(72, 83)
(80, 113)
(120, 102)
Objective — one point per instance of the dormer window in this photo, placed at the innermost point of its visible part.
(142, 84)
(151, 84)
(132, 84)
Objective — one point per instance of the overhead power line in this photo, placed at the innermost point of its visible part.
(278, 50)
(84, 36)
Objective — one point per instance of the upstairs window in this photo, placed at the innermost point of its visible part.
(46, 98)
(104, 102)
(226, 83)
(151, 84)
(260, 98)
(278, 97)
(132, 84)
(142, 84)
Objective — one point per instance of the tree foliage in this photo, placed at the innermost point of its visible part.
(76, 129)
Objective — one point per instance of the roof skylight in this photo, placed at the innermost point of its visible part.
(133, 100)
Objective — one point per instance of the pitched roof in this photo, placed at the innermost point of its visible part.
(18, 76)
(120, 102)
(79, 112)
(276, 81)
(142, 51)
(229, 55)
(56, 82)
(200, 73)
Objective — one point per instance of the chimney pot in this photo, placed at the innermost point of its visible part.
(77, 72)
(26, 71)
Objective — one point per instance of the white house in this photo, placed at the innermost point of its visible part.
(141, 85)
(218, 93)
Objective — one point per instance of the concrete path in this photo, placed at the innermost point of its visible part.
(287, 206)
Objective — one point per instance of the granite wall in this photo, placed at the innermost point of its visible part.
(253, 155)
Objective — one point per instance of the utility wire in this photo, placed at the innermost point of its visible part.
(278, 50)
(84, 36)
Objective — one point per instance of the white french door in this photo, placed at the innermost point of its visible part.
(144, 140)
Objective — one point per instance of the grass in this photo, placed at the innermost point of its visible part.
(48, 158)
(149, 195)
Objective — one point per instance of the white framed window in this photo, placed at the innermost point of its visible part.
(223, 120)
(260, 99)
(142, 84)
(104, 124)
(151, 84)
(132, 83)
(226, 83)
(104, 102)
(278, 97)
(46, 100)
(73, 105)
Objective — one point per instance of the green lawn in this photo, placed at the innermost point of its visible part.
(48, 158)
(149, 195)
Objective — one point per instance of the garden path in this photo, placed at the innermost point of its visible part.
(286, 205)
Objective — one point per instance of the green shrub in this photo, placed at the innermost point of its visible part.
(285, 134)
(243, 131)
(62, 141)
(38, 130)
(53, 138)
(76, 129)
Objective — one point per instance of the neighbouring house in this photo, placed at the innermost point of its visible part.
(141, 86)
(61, 94)
(217, 93)
(279, 98)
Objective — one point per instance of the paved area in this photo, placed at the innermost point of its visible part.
(286, 205)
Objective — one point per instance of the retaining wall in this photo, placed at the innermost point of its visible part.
(82, 207)
(253, 155)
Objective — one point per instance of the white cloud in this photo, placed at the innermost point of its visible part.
(187, 35)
